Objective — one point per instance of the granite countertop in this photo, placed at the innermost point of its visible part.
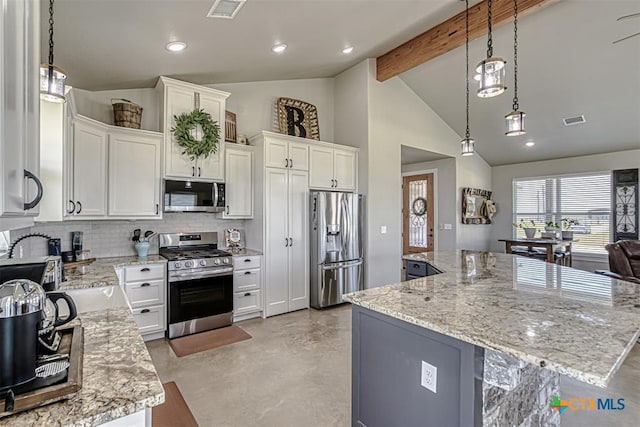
(118, 376)
(576, 323)
(245, 252)
(102, 272)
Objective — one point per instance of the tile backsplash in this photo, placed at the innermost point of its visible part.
(113, 238)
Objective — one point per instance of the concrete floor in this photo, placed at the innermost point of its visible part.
(296, 371)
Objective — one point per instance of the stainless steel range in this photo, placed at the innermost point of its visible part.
(200, 282)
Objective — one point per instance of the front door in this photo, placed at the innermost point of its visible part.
(417, 213)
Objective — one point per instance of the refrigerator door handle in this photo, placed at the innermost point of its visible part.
(338, 265)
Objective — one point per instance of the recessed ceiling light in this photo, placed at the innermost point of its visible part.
(529, 143)
(279, 48)
(176, 46)
(347, 50)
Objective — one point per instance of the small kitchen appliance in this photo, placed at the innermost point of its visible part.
(21, 305)
(194, 196)
(200, 278)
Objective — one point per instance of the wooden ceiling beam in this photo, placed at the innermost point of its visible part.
(450, 34)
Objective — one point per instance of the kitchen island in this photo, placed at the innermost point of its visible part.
(497, 329)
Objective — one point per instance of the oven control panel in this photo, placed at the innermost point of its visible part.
(200, 263)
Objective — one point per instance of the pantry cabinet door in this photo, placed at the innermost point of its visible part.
(299, 247)
(89, 169)
(134, 175)
(276, 242)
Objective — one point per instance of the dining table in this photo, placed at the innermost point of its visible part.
(549, 245)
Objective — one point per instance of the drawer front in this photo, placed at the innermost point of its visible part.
(246, 280)
(142, 294)
(150, 319)
(246, 262)
(141, 273)
(246, 302)
(416, 268)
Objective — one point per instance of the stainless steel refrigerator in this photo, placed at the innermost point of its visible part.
(337, 257)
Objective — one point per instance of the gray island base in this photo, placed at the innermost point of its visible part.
(484, 343)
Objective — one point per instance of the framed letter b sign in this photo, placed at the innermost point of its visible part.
(298, 118)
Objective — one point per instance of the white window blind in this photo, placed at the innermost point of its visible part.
(585, 199)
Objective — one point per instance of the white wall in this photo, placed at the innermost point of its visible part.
(254, 103)
(397, 116)
(445, 199)
(475, 172)
(502, 177)
(97, 105)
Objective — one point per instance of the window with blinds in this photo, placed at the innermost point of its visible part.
(583, 201)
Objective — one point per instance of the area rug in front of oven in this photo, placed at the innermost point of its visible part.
(191, 344)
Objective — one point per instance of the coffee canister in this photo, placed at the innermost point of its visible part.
(21, 305)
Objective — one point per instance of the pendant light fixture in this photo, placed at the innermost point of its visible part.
(515, 119)
(491, 70)
(52, 78)
(467, 142)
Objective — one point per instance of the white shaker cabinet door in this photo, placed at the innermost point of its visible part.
(345, 170)
(276, 243)
(276, 154)
(134, 175)
(298, 156)
(321, 168)
(298, 251)
(89, 169)
(176, 165)
(212, 167)
(239, 183)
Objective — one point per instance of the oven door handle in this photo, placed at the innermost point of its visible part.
(182, 277)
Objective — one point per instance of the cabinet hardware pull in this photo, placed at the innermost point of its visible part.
(247, 273)
(286, 163)
(157, 209)
(79, 207)
(291, 163)
(193, 171)
(290, 242)
(144, 270)
(73, 207)
(247, 260)
(286, 242)
(145, 311)
(248, 294)
(199, 171)
(144, 285)
(336, 183)
(227, 209)
(32, 204)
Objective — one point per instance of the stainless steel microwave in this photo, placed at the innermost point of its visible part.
(192, 196)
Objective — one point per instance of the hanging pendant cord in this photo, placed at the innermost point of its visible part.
(515, 55)
(467, 134)
(50, 32)
(490, 39)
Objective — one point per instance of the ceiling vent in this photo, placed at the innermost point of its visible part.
(570, 121)
(226, 9)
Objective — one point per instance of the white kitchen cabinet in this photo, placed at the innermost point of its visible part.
(333, 168)
(134, 173)
(282, 194)
(146, 288)
(19, 113)
(89, 189)
(247, 284)
(285, 152)
(181, 97)
(238, 181)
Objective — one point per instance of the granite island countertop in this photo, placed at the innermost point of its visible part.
(569, 321)
(102, 272)
(118, 376)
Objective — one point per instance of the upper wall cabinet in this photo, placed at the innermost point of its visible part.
(239, 181)
(181, 97)
(20, 188)
(333, 168)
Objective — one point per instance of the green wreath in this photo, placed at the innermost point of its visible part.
(186, 123)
